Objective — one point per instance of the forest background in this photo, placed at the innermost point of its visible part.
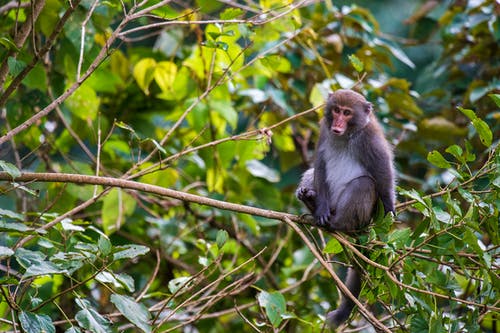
(149, 153)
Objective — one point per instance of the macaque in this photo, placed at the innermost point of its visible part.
(353, 169)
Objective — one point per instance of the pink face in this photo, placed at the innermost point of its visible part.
(341, 117)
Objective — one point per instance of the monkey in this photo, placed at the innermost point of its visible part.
(353, 169)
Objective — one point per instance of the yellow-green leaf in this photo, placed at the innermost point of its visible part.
(164, 75)
(144, 73)
(117, 205)
(438, 160)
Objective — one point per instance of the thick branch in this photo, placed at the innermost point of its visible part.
(153, 189)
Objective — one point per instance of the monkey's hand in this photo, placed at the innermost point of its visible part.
(308, 196)
(305, 194)
(322, 214)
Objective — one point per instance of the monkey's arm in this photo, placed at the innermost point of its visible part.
(322, 213)
(378, 163)
(305, 191)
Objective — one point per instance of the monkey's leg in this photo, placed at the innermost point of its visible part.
(305, 191)
(353, 283)
(355, 205)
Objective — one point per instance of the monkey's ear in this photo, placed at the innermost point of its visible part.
(368, 107)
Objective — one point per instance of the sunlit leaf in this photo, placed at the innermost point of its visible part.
(144, 72)
(277, 63)
(231, 13)
(164, 75)
(356, 63)
(482, 128)
(333, 247)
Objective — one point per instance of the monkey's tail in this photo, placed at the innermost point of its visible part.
(353, 283)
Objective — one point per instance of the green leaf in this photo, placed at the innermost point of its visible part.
(356, 63)
(495, 98)
(275, 305)
(15, 66)
(117, 280)
(137, 313)
(144, 72)
(468, 113)
(11, 169)
(129, 251)
(35, 323)
(333, 247)
(84, 103)
(8, 44)
(11, 215)
(104, 245)
(127, 127)
(157, 145)
(43, 268)
(26, 258)
(226, 110)
(277, 63)
(395, 50)
(482, 128)
(259, 169)
(231, 13)
(221, 238)
(418, 324)
(399, 237)
(456, 151)
(89, 319)
(438, 160)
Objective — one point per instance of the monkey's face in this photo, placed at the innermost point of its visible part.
(346, 112)
(341, 118)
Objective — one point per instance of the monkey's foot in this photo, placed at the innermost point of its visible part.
(322, 216)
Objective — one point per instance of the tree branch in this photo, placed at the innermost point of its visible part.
(153, 189)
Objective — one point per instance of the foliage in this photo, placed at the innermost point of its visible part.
(218, 100)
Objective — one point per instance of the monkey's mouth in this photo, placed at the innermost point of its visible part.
(337, 130)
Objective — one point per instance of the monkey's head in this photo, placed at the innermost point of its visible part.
(346, 112)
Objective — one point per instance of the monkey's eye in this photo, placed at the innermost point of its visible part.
(347, 112)
(336, 109)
